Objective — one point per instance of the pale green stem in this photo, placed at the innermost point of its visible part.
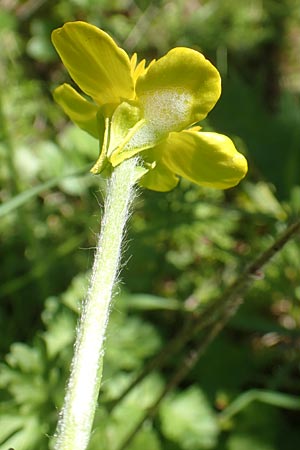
(77, 415)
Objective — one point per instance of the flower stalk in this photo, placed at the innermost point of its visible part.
(77, 415)
(133, 110)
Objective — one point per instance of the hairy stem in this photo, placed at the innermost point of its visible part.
(77, 415)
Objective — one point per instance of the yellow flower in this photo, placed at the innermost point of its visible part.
(146, 110)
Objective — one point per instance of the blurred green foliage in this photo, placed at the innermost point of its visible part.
(186, 245)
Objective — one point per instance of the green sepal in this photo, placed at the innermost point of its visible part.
(103, 125)
(125, 117)
(140, 171)
(142, 137)
(130, 134)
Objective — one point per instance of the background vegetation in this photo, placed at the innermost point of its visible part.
(184, 247)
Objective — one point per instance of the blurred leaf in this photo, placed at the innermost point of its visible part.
(146, 439)
(111, 430)
(27, 437)
(277, 399)
(9, 425)
(24, 358)
(150, 302)
(129, 341)
(27, 195)
(188, 420)
(39, 45)
(257, 428)
(264, 200)
(248, 442)
(61, 331)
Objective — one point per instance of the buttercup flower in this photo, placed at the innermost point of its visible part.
(148, 111)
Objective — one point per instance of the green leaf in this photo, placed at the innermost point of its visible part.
(9, 424)
(22, 198)
(146, 439)
(277, 399)
(248, 442)
(129, 341)
(25, 358)
(258, 428)
(152, 302)
(60, 334)
(263, 199)
(27, 437)
(113, 429)
(188, 420)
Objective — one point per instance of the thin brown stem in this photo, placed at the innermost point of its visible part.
(159, 360)
(197, 323)
(215, 318)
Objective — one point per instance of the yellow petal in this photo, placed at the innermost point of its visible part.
(94, 61)
(133, 61)
(160, 178)
(78, 109)
(178, 90)
(139, 69)
(208, 159)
